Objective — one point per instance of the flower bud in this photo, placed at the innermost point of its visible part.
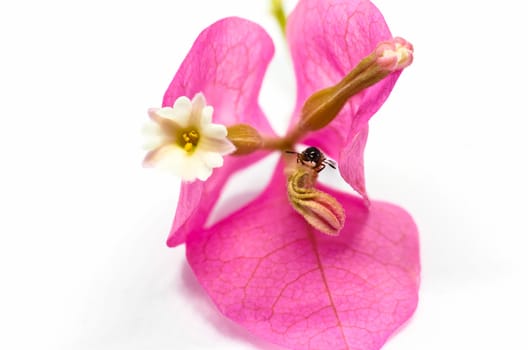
(319, 209)
(395, 54)
(324, 105)
(245, 138)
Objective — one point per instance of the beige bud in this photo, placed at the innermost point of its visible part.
(245, 138)
(324, 105)
(318, 208)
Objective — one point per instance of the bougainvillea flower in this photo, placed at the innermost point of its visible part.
(271, 266)
(184, 141)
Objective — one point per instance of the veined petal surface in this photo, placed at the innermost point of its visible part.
(226, 64)
(268, 270)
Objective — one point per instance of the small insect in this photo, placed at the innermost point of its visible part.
(313, 157)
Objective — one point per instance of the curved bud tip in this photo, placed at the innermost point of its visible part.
(323, 212)
(319, 209)
(394, 54)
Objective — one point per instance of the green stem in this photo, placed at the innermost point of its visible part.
(277, 10)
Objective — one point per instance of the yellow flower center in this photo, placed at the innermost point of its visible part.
(189, 140)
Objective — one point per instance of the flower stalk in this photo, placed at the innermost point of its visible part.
(277, 10)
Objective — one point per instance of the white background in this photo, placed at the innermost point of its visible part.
(83, 261)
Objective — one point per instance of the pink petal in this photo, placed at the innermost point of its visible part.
(198, 198)
(328, 39)
(227, 64)
(266, 269)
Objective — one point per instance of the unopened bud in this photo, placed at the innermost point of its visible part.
(395, 54)
(324, 105)
(245, 138)
(319, 209)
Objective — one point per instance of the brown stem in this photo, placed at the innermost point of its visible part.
(277, 143)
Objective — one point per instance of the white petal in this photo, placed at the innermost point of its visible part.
(182, 102)
(188, 167)
(204, 173)
(153, 135)
(198, 102)
(194, 168)
(153, 113)
(212, 159)
(171, 159)
(221, 146)
(214, 139)
(180, 113)
(215, 131)
(226, 148)
(207, 116)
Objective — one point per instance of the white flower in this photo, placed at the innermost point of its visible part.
(183, 140)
